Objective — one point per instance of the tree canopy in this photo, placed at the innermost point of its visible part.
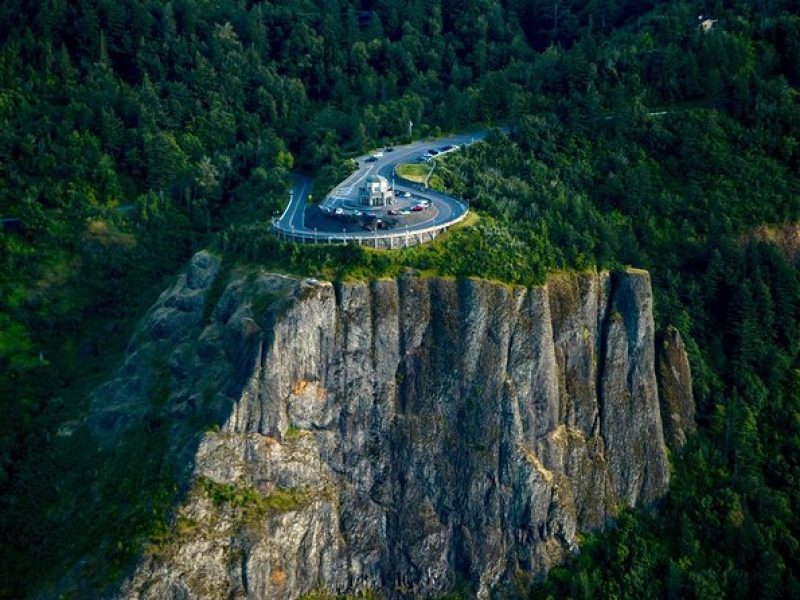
(134, 133)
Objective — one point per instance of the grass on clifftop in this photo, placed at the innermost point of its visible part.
(475, 247)
(418, 173)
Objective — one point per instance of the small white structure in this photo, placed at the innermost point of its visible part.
(706, 25)
(376, 192)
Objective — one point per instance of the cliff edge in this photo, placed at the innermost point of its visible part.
(394, 435)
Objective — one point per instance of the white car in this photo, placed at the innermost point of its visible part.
(407, 195)
(405, 212)
(358, 213)
(378, 155)
(339, 211)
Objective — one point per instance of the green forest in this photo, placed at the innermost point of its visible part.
(137, 132)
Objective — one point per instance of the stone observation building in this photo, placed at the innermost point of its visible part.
(376, 192)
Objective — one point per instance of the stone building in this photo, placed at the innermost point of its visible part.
(376, 192)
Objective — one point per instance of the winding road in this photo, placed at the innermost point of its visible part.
(448, 208)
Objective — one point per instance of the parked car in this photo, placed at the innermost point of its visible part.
(377, 155)
(407, 195)
(417, 208)
(405, 212)
(358, 213)
(393, 212)
(389, 149)
(371, 159)
(339, 211)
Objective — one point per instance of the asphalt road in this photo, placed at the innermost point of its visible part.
(293, 217)
(449, 208)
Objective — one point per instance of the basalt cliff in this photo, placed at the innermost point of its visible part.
(396, 435)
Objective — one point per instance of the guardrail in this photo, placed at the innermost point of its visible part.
(395, 239)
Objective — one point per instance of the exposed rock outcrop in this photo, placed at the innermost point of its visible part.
(394, 434)
(675, 389)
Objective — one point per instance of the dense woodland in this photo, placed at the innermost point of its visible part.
(135, 132)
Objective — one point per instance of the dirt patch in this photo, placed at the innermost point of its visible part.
(785, 237)
(278, 577)
(299, 387)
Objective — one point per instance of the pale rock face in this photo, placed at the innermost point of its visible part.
(675, 388)
(394, 435)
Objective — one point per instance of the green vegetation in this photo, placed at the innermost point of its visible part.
(485, 249)
(325, 594)
(215, 292)
(254, 504)
(293, 432)
(417, 172)
(421, 173)
(132, 493)
(137, 132)
(329, 176)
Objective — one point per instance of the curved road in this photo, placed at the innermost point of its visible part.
(449, 209)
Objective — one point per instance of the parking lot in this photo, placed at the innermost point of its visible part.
(396, 207)
(407, 211)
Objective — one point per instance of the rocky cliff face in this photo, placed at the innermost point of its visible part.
(675, 388)
(396, 435)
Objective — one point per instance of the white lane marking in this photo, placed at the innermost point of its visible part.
(301, 203)
(401, 153)
(360, 179)
(297, 201)
(288, 206)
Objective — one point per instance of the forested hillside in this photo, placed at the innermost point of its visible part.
(135, 132)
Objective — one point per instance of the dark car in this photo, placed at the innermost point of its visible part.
(371, 159)
(389, 149)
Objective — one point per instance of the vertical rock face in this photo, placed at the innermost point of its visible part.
(675, 388)
(397, 435)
